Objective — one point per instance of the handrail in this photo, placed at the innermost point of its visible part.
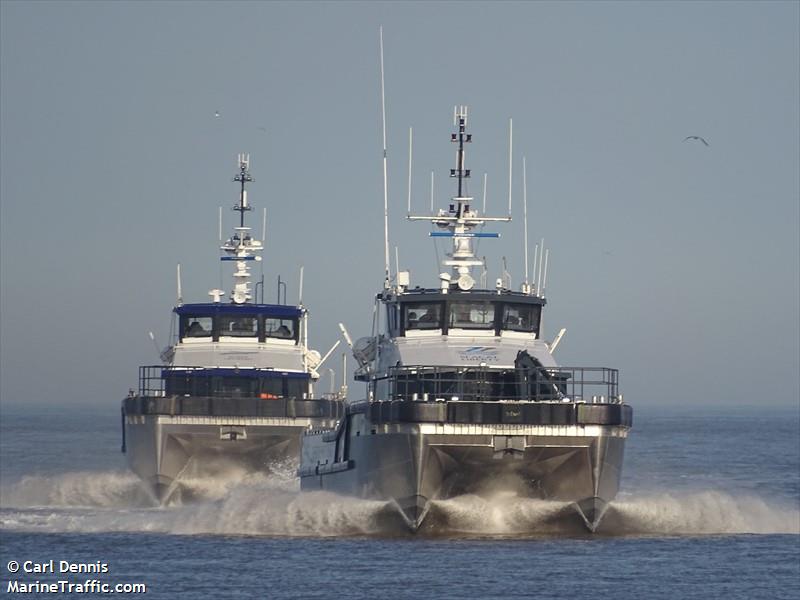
(196, 381)
(458, 382)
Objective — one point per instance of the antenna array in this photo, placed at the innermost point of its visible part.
(460, 218)
(240, 248)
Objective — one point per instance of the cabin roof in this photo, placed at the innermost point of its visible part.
(435, 294)
(207, 309)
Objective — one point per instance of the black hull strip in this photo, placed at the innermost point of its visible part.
(485, 413)
(233, 407)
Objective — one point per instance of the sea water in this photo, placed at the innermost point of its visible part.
(709, 508)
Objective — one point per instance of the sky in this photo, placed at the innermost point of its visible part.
(674, 262)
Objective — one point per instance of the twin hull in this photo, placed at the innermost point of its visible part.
(168, 440)
(407, 454)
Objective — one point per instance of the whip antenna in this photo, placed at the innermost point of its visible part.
(431, 192)
(544, 280)
(484, 193)
(510, 152)
(387, 273)
(539, 271)
(525, 217)
(410, 143)
(180, 292)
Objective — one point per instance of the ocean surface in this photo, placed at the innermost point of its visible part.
(709, 508)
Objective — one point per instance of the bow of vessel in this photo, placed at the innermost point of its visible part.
(464, 395)
(235, 387)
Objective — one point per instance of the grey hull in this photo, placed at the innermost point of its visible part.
(163, 449)
(410, 467)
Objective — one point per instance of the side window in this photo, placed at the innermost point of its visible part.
(197, 327)
(238, 326)
(422, 315)
(391, 318)
(282, 329)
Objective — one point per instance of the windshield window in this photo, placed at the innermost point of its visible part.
(282, 329)
(422, 315)
(521, 317)
(197, 327)
(296, 388)
(271, 388)
(186, 384)
(235, 387)
(238, 326)
(471, 315)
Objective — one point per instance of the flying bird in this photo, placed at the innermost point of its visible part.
(695, 137)
(217, 114)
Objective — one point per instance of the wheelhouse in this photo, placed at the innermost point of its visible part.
(466, 313)
(238, 322)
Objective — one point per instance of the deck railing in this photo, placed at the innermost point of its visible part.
(151, 383)
(159, 381)
(577, 384)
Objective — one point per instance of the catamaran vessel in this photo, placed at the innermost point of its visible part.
(463, 394)
(235, 387)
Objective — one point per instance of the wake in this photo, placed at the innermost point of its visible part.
(239, 502)
(706, 512)
(76, 489)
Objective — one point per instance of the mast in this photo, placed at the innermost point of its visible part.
(243, 177)
(460, 120)
(387, 271)
(459, 220)
(241, 248)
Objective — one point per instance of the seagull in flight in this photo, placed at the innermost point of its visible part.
(217, 114)
(695, 137)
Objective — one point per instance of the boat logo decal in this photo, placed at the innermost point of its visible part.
(479, 354)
